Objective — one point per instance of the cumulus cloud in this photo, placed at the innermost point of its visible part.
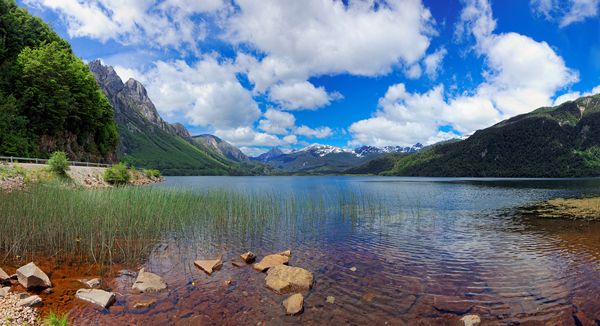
(575, 95)
(138, 21)
(277, 122)
(246, 136)
(208, 93)
(565, 12)
(520, 75)
(301, 95)
(433, 62)
(321, 132)
(313, 37)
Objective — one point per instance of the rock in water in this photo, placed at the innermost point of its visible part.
(102, 298)
(209, 266)
(248, 257)
(287, 253)
(285, 279)
(294, 304)
(30, 276)
(470, 320)
(30, 301)
(148, 283)
(94, 283)
(270, 261)
(4, 278)
(144, 304)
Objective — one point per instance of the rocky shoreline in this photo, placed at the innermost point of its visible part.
(587, 209)
(18, 176)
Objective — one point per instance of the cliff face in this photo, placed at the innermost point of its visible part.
(222, 147)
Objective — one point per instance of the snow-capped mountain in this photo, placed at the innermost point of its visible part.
(366, 150)
(323, 150)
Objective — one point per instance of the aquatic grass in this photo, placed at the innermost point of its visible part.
(122, 225)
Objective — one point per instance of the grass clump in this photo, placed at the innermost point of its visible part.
(156, 173)
(59, 164)
(56, 319)
(117, 174)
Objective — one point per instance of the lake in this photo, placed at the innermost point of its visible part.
(444, 247)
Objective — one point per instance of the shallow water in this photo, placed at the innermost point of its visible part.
(450, 247)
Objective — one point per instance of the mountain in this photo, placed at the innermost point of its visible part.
(221, 147)
(558, 142)
(147, 141)
(272, 154)
(320, 159)
(366, 150)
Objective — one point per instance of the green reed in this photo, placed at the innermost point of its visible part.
(122, 225)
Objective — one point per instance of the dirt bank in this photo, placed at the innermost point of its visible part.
(19, 175)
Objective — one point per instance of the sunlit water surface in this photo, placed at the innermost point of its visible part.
(448, 247)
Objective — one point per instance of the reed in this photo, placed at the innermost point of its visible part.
(122, 225)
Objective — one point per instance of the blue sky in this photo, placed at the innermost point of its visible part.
(288, 73)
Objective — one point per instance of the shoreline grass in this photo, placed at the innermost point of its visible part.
(122, 225)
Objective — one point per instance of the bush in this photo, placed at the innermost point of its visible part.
(117, 174)
(148, 174)
(58, 163)
(156, 173)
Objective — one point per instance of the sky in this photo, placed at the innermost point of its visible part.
(347, 73)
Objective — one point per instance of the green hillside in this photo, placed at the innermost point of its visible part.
(48, 99)
(559, 142)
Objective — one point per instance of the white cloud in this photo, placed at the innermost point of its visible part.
(245, 136)
(253, 151)
(277, 122)
(413, 72)
(314, 37)
(301, 95)
(575, 95)
(208, 93)
(291, 139)
(138, 21)
(565, 12)
(433, 62)
(520, 75)
(321, 132)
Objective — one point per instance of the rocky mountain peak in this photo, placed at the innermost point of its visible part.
(182, 132)
(106, 77)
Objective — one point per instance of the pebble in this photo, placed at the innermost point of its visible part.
(12, 314)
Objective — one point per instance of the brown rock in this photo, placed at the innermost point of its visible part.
(144, 304)
(270, 261)
(287, 253)
(30, 276)
(452, 304)
(31, 301)
(294, 305)
(370, 296)
(48, 291)
(94, 283)
(238, 264)
(285, 279)
(248, 257)
(470, 320)
(209, 266)
(4, 277)
(148, 283)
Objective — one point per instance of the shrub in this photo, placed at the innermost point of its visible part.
(58, 163)
(156, 173)
(117, 174)
(148, 174)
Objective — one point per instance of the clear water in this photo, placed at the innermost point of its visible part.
(453, 246)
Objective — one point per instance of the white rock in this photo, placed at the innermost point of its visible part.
(30, 276)
(148, 283)
(31, 301)
(470, 320)
(102, 298)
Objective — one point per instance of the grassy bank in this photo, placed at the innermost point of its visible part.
(573, 209)
(122, 225)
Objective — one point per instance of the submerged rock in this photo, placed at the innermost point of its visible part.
(94, 283)
(148, 283)
(237, 264)
(331, 299)
(452, 304)
(4, 278)
(270, 261)
(102, 298)
(30, 301)
(30, 276)
(209, 266)
(144, 304)
(294, 305)
(470, 320)
(285, 279)
(248, 257)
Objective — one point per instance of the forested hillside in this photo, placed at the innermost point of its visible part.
(562, 141)
(48, 99)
